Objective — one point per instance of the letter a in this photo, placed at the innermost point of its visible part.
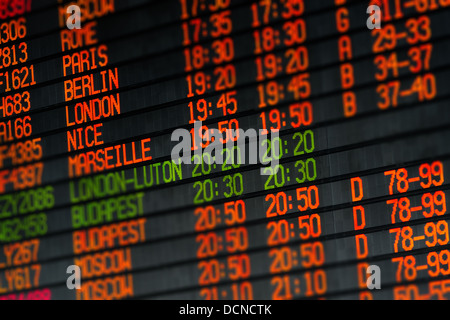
(374, 21)
(184, 146)
(74, 20)
(374, 281)
(74, 281)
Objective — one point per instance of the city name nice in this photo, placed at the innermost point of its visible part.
(214, 139)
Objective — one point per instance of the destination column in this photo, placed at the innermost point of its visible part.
(91, 93)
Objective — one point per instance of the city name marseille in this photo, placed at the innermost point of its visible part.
(187, 152)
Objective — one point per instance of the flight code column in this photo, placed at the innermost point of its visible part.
(23, 216)
(219, 52)
(89, 98)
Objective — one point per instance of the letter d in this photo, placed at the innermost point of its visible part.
(225, 308)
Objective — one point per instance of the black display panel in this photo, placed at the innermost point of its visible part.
(333, 135)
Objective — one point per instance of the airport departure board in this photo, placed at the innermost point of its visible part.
(348, 121)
